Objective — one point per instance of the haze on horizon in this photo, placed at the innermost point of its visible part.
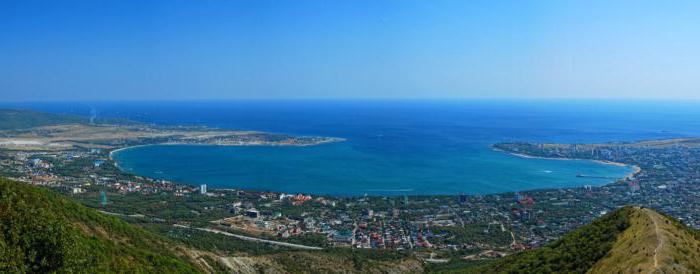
(154, 50)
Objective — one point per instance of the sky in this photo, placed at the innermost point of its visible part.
(183, 50)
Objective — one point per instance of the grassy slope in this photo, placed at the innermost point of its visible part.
(652, 243)
(345, 261)
(575, 252)
(628, 240)
(41, 231)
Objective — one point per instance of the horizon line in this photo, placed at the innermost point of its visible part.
(166, 100)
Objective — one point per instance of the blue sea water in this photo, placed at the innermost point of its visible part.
(394, 147)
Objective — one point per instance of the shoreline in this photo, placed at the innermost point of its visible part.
(635, 169)
(124, 148)
(631, 175)
(327, 141)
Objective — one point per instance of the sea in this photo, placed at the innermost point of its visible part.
(392, 147)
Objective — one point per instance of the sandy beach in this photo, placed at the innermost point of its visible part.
(630, 176)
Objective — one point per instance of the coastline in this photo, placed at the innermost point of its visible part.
(111, 153)
(616, 178)
(635, 169)
(328, 140)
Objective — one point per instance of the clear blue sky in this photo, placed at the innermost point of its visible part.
(154, 50)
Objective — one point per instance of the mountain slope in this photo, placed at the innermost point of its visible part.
(44, 232)
(628, 240)
(653, 243)
(41, 231)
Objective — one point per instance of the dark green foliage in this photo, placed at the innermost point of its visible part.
(356, 260)
(41, 231)
(214, 242)
(470, 233)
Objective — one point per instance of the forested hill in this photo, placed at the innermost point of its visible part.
(628, 240)
(22, 119)
(44, 232)
(19, 119)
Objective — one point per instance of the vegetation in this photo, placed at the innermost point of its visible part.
(17, 119)
(653, 243)
(471, 233)
(344, 260)
(21, 119)
(214, 242)
(630, 239)
(576, 252)
(41, 231)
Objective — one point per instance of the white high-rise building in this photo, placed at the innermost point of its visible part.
(202, 189)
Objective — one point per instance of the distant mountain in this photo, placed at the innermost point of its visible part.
(22, 119)
(628, 240)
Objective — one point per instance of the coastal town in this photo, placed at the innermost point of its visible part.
(350, 137)
(468, 227)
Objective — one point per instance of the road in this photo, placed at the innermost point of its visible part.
(253, 239)
(241, 237)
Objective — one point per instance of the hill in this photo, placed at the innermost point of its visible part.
(15, 119)
(41, 231)
(628, 240)
(21, 119)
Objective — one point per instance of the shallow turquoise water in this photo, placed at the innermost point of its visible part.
(398, 147)
(340, 169)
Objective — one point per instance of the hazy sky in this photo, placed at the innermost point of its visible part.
(126, 50)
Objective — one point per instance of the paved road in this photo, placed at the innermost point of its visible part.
(246, 238)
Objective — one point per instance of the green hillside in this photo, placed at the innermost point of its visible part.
(44, 232)
(41, 231)
(20, 119)
(628, 240)
(11, 119)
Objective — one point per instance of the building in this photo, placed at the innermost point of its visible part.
(252, 213)
(203, 189)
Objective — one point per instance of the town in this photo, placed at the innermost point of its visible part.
(469, 226)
